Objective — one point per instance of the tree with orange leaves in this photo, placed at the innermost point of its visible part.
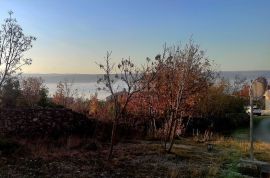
(183, 74)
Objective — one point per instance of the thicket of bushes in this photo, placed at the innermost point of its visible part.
(30, 92)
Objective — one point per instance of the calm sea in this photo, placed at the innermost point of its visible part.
(86, 84)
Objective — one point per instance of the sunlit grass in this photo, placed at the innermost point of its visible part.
(261, 149)
(223, 161)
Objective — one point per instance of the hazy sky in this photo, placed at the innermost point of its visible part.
(73, 34)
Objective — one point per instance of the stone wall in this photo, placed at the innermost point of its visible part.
(44, 123)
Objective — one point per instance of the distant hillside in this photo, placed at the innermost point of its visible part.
(76, 78)
(247, 74)
(86, 78)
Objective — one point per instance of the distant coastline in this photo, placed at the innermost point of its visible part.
(84, 78)
(86, 84)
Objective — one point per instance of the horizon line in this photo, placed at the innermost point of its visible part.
(114, 73)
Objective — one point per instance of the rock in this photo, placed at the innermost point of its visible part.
(41, 122)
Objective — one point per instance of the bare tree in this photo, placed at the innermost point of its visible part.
(238, 84)
(134, 80)
(65, 94)
(13, 44)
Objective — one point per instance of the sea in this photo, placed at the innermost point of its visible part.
(86, 84)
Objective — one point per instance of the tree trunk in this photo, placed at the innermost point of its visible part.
(172, 138)
(112, 140)
(168, 135)
(114, 129)
(154, 127)
(174, 132)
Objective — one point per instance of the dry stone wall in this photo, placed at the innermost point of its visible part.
(44, 123)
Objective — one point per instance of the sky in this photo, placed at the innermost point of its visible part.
(72, 35)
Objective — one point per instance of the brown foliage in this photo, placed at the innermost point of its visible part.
(182, 75)
(64, 94)
(68, 97)
(30, 89)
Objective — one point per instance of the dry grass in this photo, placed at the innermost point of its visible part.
(261, 149)
(201, 163)
(222, 161)
(189, 158)
(49, 149)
